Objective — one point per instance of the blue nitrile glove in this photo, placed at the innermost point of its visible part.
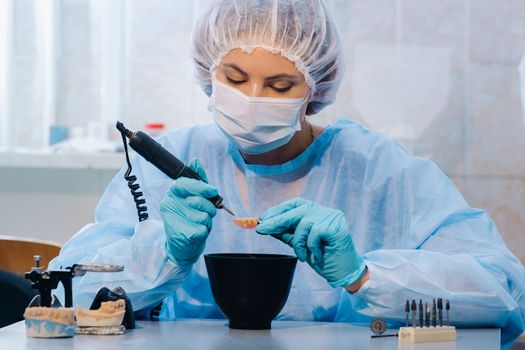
(319, 236)
(187, 215)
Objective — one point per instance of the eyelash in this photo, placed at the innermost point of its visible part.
(282, 90)
(235, 82)
(278, 90)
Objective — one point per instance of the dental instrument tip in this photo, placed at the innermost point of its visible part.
(228, 210)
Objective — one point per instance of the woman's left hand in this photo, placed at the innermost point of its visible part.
(319, 236)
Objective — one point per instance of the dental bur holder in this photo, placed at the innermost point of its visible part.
(433, 329)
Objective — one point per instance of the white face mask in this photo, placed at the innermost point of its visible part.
(255, 124)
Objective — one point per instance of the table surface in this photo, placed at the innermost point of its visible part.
(191, 334)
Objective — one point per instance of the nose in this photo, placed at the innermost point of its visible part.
(256, 89)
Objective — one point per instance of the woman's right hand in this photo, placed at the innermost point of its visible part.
(187, 216)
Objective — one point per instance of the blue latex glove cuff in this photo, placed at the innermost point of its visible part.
(353, 277)
(179, 262)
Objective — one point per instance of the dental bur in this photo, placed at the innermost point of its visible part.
(420, 313)
(427, 315)
(413, 308)
(447, 307)
(407, 311)
(434, 313)
(440, 311)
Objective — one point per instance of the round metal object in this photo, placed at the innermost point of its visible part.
(378, 326)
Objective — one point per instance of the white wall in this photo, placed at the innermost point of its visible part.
(49, 204)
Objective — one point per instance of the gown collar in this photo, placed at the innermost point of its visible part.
(316, 148)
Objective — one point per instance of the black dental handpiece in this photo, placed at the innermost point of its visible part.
(166, 162)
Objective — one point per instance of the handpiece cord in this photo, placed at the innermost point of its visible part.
(140, 203)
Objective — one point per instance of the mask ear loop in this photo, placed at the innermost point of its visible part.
(304, 106)
(213, 79)
(303, 115)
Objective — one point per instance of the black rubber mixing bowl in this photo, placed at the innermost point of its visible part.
(250, 289)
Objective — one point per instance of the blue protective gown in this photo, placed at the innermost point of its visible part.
(419, 237)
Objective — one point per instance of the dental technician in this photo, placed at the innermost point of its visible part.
(373, 225)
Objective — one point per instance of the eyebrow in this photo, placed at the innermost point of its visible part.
(236, 67)
(273, 77)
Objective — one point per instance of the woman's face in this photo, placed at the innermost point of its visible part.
(261, 74)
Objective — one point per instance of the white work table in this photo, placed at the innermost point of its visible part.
(214, 334)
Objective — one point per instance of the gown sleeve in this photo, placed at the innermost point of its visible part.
(447, 250)
(117, 237)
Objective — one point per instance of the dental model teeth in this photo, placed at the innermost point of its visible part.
(49, 322)
(247, 223)
(110, 313)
